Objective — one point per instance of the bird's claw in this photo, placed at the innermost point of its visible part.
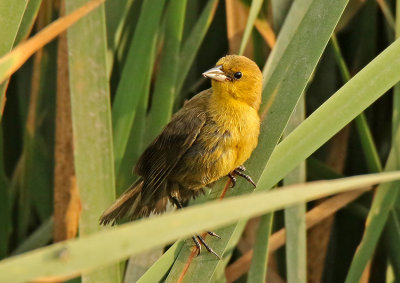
(213, 234)
(233, 179)
(198, 241)
(247, 177)
(241, 168)
(239, 171)
(198, 245)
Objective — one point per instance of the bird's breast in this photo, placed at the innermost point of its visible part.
(225, 142)
(243, 127)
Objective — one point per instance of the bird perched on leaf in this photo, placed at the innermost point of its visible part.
(210, 137)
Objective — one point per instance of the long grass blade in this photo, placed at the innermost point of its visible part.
(160, 269)
(280, 9)
(236, 13)
(91, 123)
(165, 86)
(74, 256)
(294, 223)
(367, 142)
(139, 264)
(381, 69)
(254, 10)
(387, 13)
(314, 216)
(393, 229)
(132, 86)
(258, 267)
(266, 31)
(136, 141)
(11, 15)
(383, 203)
(5, 204)
(355, 96)
(392, 235)
(36, 188)
(66, 195)
(192, 43)
(116, 16)
(295, 217)
(38, 238)
(386, 199)
(396, 91)
(13, 60)
(28, 20)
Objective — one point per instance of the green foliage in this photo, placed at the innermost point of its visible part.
(91, 124)
(131, 64)
(11, 17)
(83, 254)
(139, 66)
(279, 100)
(295, 217)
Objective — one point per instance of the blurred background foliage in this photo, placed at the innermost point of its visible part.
(149, 56)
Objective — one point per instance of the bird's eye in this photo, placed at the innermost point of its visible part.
(237, 75)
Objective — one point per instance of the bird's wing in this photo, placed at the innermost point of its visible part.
(161, 157)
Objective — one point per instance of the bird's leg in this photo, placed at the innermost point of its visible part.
(239, 171)
(210, 250)
(213, 234)
(241, 168)
(197, 239)
(197, 243)
(233, 179)
(176, 202)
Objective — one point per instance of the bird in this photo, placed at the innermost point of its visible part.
(210, 137)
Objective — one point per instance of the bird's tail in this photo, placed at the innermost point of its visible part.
(132, 205)
(125, 204)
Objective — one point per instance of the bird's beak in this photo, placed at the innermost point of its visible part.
(217, 74)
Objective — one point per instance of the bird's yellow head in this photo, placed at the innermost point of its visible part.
(237, 77)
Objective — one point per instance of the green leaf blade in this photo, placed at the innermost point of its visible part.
(83, 254)
(254, 10)
(132, 84)
(192, 44)
(349, 101)
(11, 16)
(165, 86)
(91, 123)
(295, 216)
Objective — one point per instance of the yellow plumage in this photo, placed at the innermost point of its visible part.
(213, 134)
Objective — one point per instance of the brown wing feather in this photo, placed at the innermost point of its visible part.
(161, 157)
(125, 203)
